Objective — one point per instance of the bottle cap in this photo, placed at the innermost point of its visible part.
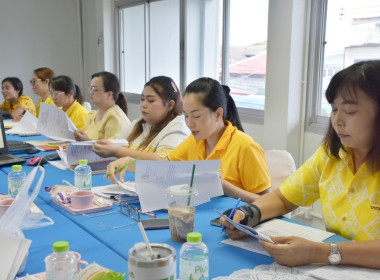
(194, 237)
(83, 161)
(16, 167)
(61, 246)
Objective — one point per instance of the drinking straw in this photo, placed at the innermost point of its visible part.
(191, 185)
(143, 233)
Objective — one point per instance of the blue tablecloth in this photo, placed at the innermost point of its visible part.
(109, 247)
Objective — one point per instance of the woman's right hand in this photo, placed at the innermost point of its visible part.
(80, 135)
(230, 230)
(112, 166)
(105, 148)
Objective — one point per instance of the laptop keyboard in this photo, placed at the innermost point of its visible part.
(18, 147)
(5, 157)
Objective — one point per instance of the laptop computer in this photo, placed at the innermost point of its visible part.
(5, 157)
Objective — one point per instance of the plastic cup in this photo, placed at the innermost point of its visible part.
(181, 209)
(82, 199)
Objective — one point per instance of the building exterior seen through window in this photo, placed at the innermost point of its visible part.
(247, 51)
(352, 35)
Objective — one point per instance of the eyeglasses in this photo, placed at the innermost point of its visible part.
(33, 81)
(125, 209)
(56, 93)
(93, 89)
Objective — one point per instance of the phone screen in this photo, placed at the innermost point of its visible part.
(215, 222)
(155, 223)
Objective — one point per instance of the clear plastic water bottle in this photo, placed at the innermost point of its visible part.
(62, 263)
(83, 175)
(193, 263)
(16, 179)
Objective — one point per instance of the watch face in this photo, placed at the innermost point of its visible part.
(334, 258)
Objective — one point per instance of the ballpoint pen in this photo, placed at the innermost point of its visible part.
(123, 166)
(232, 211)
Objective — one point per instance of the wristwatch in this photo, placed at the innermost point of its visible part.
(334, 256)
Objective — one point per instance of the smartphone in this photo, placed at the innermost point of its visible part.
(155, 223)
(54, 156)
(215, 222)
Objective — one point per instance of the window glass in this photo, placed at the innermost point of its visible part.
(247, 52)
(132, 49)
(352, 35)
(164, 39)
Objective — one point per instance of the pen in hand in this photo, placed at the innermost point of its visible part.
(123, 166)
(232, 211)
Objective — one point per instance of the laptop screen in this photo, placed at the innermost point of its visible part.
(3, 146)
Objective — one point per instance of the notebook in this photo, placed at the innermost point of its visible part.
(5, 157)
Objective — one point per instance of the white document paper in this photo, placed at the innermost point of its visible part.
(55, 124)
(153, 177)
(83, 150)
(278, 227)
(27, 126)
(12, 254)
(342, 272)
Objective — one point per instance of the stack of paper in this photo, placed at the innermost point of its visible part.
(14, 251)
(52, 122)
(83, 150)
(26, 127)
(121, 192)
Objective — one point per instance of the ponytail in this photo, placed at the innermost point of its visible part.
(232, 112)
(78, 96)
(122, 102)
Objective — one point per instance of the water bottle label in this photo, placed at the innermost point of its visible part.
(14, 186)
(83, 181)
(194, 270)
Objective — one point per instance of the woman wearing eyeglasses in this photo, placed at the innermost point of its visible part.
(14, 101)
(110, 121)
(67, 95)
(40, 84)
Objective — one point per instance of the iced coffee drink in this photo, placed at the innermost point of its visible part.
(181, 222)
(181, 211)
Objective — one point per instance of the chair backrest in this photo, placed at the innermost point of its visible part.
(87, 105)
(280, 166)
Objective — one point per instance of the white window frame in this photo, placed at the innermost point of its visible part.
(253, 116)
(315, 122)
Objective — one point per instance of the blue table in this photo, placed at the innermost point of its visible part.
(110, 247)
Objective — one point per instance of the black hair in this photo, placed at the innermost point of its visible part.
(16, 83)
(167, 90)
(362, 76)
(66, 84)
(111, 83)
(213, 96)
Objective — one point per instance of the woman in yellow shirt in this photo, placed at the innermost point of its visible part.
(67, 95)
(344, 173)
(14, 101)
(110, 121)
(40, 84)
(216, 133)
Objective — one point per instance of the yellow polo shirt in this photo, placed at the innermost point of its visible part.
(350, 202)
(25, 101)
(242, 159)
(113, 125)
(77, 114)
(48, 100)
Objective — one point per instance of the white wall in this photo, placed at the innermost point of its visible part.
(39, 33)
